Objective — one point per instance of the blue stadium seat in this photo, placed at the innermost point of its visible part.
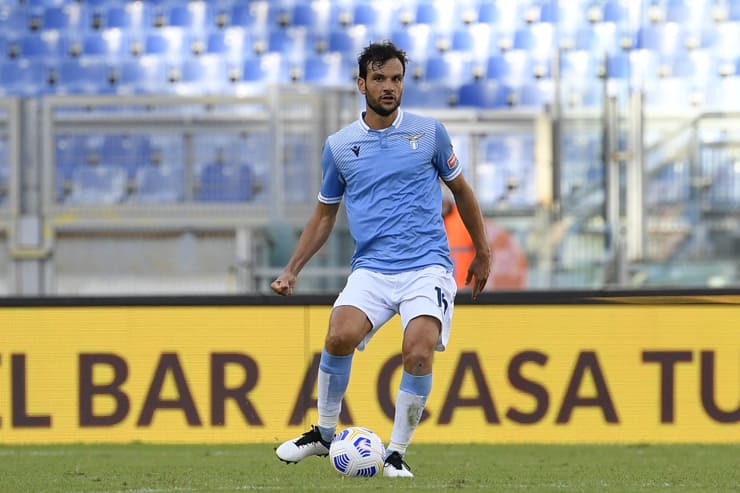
(677, 11)
(269, 68)
(349, 41)
(452, 69)
(733, 13)
(195, 16)
(416, 40)
(249, 14)
(488, 12)
(422, 94)
(315, 16)
(327, 69)
(145, 74)
(170, 43)
(23, 77)
(201, 75)
(366, 13)
(98, 185)
(67, 17)
(49, 45)
(84, 76)
(130, 152)
(513, 68)
(474, 39)
(158, 185)
(134, 17)
(219, 182)
(618, 66)
(109, 44)
(233, 43)
(667, 39)
(13, 20)
(537, 39)
(614, 11)
(441, 16)
(292, 42)
(485, 94)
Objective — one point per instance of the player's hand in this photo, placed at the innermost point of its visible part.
(284, 284)
(478, 272)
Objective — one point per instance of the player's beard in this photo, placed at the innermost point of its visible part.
(382, 110)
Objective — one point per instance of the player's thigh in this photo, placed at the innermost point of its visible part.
(348, 325)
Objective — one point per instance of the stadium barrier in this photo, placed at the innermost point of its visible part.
(626, 367)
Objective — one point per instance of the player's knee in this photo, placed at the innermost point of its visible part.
(340, 342)
(417, 359)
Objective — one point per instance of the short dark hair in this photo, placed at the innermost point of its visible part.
(376, 54)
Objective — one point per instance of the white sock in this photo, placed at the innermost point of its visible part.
(408, 413)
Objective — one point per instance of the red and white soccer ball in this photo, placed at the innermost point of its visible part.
(357, 451)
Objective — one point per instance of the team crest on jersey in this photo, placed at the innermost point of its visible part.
(452, 161)
(413, 140)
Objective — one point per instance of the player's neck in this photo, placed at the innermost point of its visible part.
(378, 122)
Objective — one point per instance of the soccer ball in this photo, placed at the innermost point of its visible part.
(357, 451)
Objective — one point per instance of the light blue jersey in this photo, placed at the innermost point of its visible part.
(390, 181)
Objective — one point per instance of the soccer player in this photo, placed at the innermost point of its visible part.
(387, 166)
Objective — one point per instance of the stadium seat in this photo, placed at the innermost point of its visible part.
(614, 11)
(205, 74)
(134, 17)
(158, 185)
(474, 39)
(666, 39)
(538, 40)
(84, 76)
(292, 42)
(194, 16)
(13, 20)
(109, 44)
(266, 69)
(512, 68)
(327, 69)
(130, 152)
(485, 94)
(232, 43)
(49, 45)
(23, 77)
(98, 185)
(416, 40)
(145, 74)
(349, 41)
(219, 182)
(169, 43)
(366, 13)
(313, 15)
(67, 17)
(422, 94)
(249, 14)
(441, 15)
(452, 69)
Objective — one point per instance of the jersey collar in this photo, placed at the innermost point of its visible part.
(396, 123)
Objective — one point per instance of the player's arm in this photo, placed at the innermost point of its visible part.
(467, 205)
(317, 231)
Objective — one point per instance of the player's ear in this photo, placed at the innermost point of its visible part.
(361, 85)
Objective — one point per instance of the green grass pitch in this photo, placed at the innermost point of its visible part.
(149, 468)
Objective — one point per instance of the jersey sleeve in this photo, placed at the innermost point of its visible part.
(332, 184)
(445, 159)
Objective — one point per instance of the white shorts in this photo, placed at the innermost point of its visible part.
(430, 291)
